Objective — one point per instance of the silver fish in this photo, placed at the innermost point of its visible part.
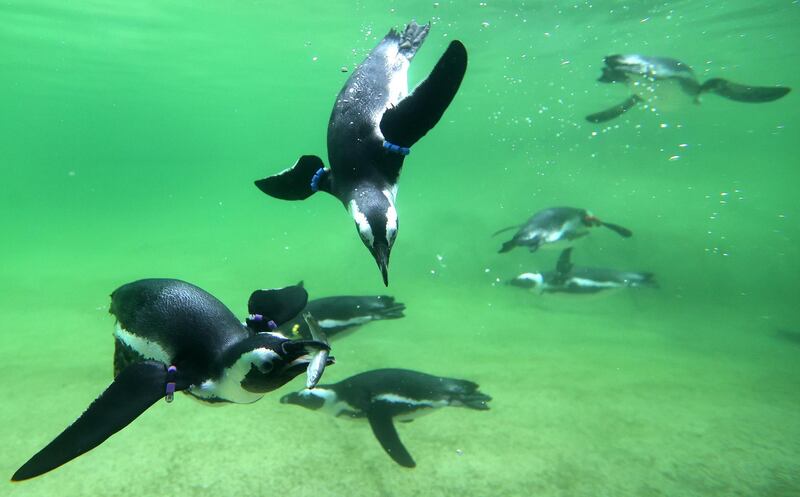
(320, 358)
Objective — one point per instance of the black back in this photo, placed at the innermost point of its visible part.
(359, 390)
(186, 321)
(355, 150)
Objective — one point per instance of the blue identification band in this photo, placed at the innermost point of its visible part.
(315, 179)
(170, 387)
(391, 147)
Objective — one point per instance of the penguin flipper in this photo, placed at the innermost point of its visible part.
(744, 93)
(419, 112)
(136, 388)
(278, 305)
(615, 111)
(295, 183)
(564, 264)
(380, 420)
(508, 228)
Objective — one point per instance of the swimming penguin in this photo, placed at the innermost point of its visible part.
(343, 313)
(556, 225)
(385, 395)
(646, 77)
(570, 279)
(173, 336)
(372, 127)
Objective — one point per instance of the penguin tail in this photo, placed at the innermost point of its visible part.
(299, 182)
(385, 307)
(743, 93)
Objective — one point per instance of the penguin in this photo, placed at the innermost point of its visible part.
(343, 313)
(647, 77)
(172, 336)
(556, 226)
(583, 280)
(383, 396)
(372, 127)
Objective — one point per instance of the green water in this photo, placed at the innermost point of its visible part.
(131, 133)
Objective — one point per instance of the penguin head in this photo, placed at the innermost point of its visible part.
(278, 361)
(590, 220)
(528, 280)
(313, 399)
(376, 221)
(614, 70)
(618, 67)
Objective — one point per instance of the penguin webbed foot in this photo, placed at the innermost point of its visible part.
(299, 182)
(385, 307)
(412, 38)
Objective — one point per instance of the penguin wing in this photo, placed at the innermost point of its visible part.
(135, 389)
(278, 305)
(564, 265)
(744, 93)
(419, 112)
(615, 111)
(380, 420)
(297, 182)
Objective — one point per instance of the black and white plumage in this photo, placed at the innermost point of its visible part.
(556, 226)
(372, 127)
(568, 278)
(173, 336)
(336, 315)
(383, 396)
(649, 79)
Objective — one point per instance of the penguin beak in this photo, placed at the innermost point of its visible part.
(381, 253)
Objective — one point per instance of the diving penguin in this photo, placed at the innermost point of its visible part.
(570, 279)
(343, 313)
(647, 76)
(556, 226)
(173, 336)
(385, 395)
(371, 129)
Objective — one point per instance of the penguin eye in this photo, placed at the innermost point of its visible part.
(265, 367)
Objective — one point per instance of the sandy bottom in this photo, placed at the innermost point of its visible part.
(616, 396)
